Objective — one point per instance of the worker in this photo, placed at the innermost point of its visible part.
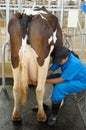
(71, 79)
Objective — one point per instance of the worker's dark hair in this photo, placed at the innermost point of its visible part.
(59, 53)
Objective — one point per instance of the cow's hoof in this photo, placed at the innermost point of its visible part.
(16, 117)
(42, 117)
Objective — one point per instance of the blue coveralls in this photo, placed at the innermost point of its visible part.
(74, 74)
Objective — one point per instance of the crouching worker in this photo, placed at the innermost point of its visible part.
(72, 78)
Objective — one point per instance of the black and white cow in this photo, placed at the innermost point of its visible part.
(33, 36)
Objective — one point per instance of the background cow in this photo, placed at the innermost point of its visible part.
(33, 36)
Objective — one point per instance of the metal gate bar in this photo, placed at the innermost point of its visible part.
(3, 65)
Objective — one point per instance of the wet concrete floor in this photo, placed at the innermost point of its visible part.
(69, 117)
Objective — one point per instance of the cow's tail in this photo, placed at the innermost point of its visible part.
(25, 21)
(59, 36)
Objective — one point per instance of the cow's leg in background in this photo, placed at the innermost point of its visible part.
(16, 93)
(42, 74)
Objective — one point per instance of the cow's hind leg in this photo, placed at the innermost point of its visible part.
(17, 94)
(24, 84)
(42, 74)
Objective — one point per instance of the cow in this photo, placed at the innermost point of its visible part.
(33, 36)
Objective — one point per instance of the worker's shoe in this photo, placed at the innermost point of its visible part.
(53, 116)
(35, 108)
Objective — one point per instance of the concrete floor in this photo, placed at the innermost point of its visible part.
(69, 117)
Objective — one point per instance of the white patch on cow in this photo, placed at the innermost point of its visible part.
(43, 17)
(50, 40)
(54, 36)
(16, 87)
(16, 75)
(32, 12)
(51, 49)
(28, 57)
(24, 41)
(40, 89)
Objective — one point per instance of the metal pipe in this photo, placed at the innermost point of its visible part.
(0, 43)
(80, 27)
(19, 5)
(3, 65)
(7, 19)
(85, 24)
(73, 43)
(82, 46)
(62, 12)
(49, 3)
